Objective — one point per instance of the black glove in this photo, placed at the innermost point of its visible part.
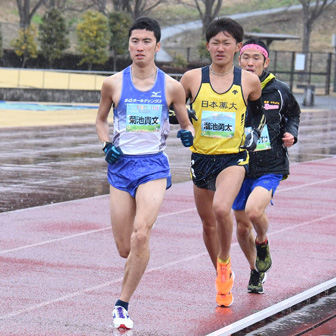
(112, 153)
(251, 141)
(192, 114)
(186, 137)
(172, 116)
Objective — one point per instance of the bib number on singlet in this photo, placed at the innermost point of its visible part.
(143, 117)
(218, 124)
(264, 142)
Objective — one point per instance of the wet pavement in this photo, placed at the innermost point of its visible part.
(57, 280)
(44, 165)
(314, 319)
(61, 273)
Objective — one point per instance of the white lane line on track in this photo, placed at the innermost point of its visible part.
(302, 224)
(91, 289)
(50, 241)
(59, 299)
(160, 216)
(153, 269)
(103, 285)
(274, 309)
(304, 185)
(82, 234)
(51, 205)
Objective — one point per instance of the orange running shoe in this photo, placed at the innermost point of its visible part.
(224, 300)
(224, 279)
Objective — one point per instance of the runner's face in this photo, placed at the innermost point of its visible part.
(142, 46)
(253, 60)
(222, 48)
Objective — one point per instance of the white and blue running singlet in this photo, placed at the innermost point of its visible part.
(141, 121)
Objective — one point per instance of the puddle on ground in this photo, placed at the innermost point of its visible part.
(44, 165)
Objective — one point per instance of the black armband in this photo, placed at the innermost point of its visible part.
(257, 113)
(172, 117)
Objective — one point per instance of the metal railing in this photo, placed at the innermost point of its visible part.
(321, 68)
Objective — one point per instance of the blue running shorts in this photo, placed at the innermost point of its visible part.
(132, 170)
(268, 181)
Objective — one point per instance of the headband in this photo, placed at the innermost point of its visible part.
(255, 46)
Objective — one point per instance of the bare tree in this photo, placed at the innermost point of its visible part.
(60, 4)
(26, 13)
(100, 5)
(136, 8)
(310, 12)
(27, 8)
(122, 6)
(208, 10)
(75, 6)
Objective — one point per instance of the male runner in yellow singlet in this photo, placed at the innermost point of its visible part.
(219, 94)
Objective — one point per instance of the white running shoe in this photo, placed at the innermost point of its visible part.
(121, 318)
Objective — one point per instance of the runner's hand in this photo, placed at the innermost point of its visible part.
(112, 153)
(288, 139)
(186, 137)
(251, 141)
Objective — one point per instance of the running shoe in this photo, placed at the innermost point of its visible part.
(224, 300)
(256, 282)
(224, 284)
(264, 260)
(121, 318)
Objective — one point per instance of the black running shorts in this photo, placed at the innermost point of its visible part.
(205, 168)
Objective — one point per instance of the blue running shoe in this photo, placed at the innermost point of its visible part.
(121, 318)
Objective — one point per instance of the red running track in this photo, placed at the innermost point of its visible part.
(61, 274)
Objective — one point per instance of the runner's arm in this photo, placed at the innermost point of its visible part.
(105, 105)
(290, 115)
(258, 119)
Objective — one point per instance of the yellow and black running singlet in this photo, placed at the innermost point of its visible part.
(221, 117)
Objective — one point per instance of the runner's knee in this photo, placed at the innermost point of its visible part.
(221, 211)
(243, 230)
(139, 240)
(209, 227)
(254, 214)
(123, 249)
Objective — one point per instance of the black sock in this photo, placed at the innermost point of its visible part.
(122, 304)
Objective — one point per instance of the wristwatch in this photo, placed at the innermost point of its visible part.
(104, 144)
